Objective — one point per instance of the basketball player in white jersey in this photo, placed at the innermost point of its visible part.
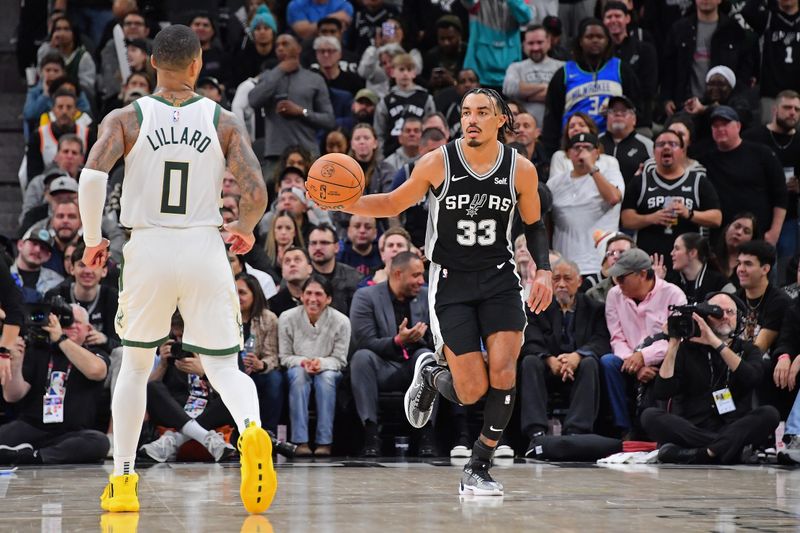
(474, 184)
(176, 145)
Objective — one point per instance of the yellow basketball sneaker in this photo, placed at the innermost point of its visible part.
(121, 494)
(259, 481)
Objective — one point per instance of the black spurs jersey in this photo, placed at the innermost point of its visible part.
(469, 215)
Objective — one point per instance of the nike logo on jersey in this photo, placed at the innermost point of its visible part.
(651, 189)
(492, 428)
(687, 189)
(459, 178)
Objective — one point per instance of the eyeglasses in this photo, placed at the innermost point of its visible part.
(662, 144)
(729, 312)
(582, 147)
(320, 243)
(621, 112)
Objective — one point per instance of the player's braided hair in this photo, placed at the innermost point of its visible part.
(501, 107)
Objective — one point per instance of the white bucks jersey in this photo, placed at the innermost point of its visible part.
(173, 173)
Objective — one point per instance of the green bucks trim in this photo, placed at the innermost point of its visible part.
(217, 111)
(183, 168)
(208, 351)
(140, 344)
(139, 117)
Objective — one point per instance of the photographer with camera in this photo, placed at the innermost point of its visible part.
(710, 375)
(56, 383)
(179, 396)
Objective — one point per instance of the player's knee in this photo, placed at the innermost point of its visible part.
(503, 376)
(470, 393)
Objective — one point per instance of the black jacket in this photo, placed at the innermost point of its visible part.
(730, 46)
(643, 59)
(590, 331)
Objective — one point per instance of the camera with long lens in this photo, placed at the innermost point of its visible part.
(176, 350)
(681, 324)
(37, 316)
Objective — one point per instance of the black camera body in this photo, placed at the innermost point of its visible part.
(176, 350)
(681, 324)
(37, 316)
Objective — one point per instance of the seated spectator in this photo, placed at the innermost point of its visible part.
(527, 136)
(54, 187)
(334, 142)
(35, 248)
(65, 39)
(765, 303)
(742, 228)
(792, 287)
(323, 246)
(43, 145)
(580, 122)
(747, 176)
(65, 227)
(284, 233)
(265, 281)
(100, 301)
(255, 53)
(616, 245)
(720, 89)
(39, 99)
(785, 379)
(359, 250)
(407, 150)
(295, 270)
(404, 100)
(443, 62)
(714, 364)
(137, 85)
(216, 60)
(293, 200)
(313, 347)
(294, 179)
(635, 309)
(528, 79)
(561, 351)
(584, 200)
(621, 141)
(55, 427)
(260, 331)
(112, 75)
(393, 241)
(212, 89)
(364, 149)
(302, 15)
(682, 124)
(694, 268)
(329, 55)
(330, 27)
(180, 397)
(448, 101)
(362, 110)
(667, 200)
(390, 332)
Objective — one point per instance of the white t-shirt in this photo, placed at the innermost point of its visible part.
(560, 163)
(579, 211)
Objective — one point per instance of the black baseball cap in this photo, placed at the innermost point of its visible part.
(726, 113)
(582, 138)
(621, 98)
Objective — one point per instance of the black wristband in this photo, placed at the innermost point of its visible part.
(721, 347)
(61, 339)
(536, 240)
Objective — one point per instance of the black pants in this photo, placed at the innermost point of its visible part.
(80, 446)
(726, 442)
(166, 409)
(584, 395)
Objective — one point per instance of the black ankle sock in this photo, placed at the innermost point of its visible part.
(442, 380)
(481, 454)
(370, 430)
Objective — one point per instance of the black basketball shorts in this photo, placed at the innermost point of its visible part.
(466, 307)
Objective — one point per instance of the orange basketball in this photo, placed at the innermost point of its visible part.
(335, 181)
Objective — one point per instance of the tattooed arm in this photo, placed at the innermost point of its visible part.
(244, 166)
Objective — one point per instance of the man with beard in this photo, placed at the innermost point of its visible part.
(323, 247)
(362, 109)
(586, 83)
(781, 137)
(35, 249)
(621, 140)
(65, 227)
(527, 80)
(667, 200)
(710, 378)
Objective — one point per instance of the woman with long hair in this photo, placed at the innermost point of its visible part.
(742, 228)
(283, 234)
(695, 269)
(261, 357)
(580, 122)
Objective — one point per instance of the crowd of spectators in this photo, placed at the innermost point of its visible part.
(665, 135)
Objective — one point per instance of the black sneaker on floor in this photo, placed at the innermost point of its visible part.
(535, 447)
(427, 447)
(674, 454)
(477, 480)
(20, 454)
(372, 447)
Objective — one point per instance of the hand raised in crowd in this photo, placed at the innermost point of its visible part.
(693, 106)
(408, 335)
(658, 265)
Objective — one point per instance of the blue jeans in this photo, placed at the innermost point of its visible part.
(324, 383)
(271, 389)
(788, 241)
(793, 420)
(615, 385)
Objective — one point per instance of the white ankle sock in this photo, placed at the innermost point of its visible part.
(193, 430)
(128, 405)
(237, 389)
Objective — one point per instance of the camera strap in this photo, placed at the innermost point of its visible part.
(54, 393)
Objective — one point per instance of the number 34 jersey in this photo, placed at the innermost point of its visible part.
(173, 173)
(469, 214)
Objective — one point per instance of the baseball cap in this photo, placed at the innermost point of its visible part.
(582, 138)
(63, 184)
(726, 113)
(40, 234)
(633, 260)
(209, 80)
(141, 44)
(367, 94)
(623, 99)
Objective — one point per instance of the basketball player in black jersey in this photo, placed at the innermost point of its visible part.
(473, 184)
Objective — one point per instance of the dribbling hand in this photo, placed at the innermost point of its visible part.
(95, 257)
(241, 241)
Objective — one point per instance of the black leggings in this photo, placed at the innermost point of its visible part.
(166, 408)
(79, 446)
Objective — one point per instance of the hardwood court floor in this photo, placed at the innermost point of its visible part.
(360, 496)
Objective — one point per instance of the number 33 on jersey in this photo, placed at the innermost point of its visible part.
(173, 173)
